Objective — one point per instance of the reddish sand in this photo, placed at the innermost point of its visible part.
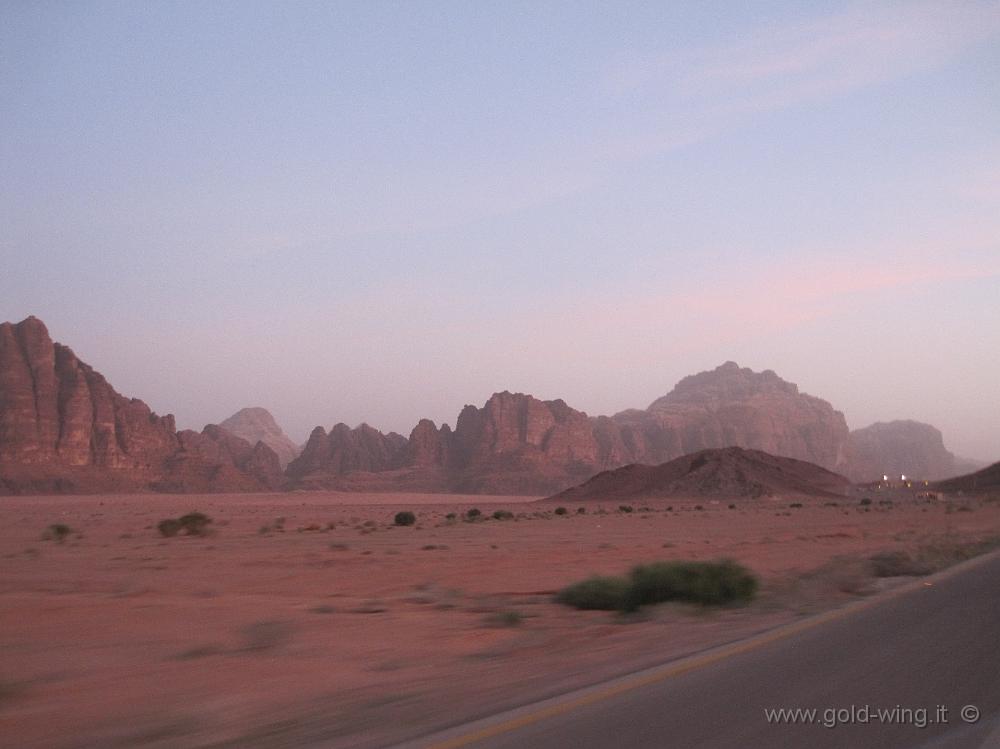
(358, 634)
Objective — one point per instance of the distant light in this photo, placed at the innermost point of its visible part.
(903, 477)
(884, 477)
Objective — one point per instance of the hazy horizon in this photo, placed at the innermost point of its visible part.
(380, 212)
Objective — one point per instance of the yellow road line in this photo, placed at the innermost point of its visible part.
(690, 664)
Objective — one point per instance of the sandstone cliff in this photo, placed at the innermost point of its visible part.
(731, 405)
(258, 425)
(516, 443)
(64, 428)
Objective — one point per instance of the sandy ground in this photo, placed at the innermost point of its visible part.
(343, 630)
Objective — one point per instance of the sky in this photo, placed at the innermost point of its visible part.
(381, 211)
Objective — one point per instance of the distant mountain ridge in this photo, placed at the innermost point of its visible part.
(516, 443)
(64, 428)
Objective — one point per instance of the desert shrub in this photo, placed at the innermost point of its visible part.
(450, 516)
(865, 501)
(581, 510)
(795, 505)
(503, 515)
(505, 619)
(706, 583)
(595, 593)
(897, 564)
(57, 532)
(195, 523)
(561, 511)
(945, 552)
(732, 507)
(169, 527)
(474, 513)
(266, 635)
(699, 507)
(625, 508)
(404, 518)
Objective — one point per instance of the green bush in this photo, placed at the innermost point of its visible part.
(625, 508)
(57, 532)
(169, 527)
(404, 518)
(795, 505)
(195, 523)
(503, 515)
(561, 511)
(897, 564)
(474, 513)
(595, 593)
(505, 619)
(706, 583)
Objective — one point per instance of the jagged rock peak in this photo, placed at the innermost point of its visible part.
(727, 382)
(256, 424)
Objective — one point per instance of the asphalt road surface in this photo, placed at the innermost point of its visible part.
(927, 656)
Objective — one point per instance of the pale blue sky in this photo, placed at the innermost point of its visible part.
(383, 211)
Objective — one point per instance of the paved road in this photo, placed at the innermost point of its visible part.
(937, 644)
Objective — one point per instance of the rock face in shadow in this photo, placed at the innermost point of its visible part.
(900, 447)
(985, 481)
(258, 425)
(726, 473)
(63, 428)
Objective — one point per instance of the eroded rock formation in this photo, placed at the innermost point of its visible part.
(258, 425)
(64, 428)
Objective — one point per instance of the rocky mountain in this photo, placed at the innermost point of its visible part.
(514, 444)
(345, 450)
(900, 447)
(518, 444)
(258, 425)
(63, 428)
(724, 473)
(731, 405)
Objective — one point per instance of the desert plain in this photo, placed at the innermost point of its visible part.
(310, 619)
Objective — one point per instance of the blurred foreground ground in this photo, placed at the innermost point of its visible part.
(336, 628)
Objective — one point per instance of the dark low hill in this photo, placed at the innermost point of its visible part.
(720, 473)
(986, 480)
